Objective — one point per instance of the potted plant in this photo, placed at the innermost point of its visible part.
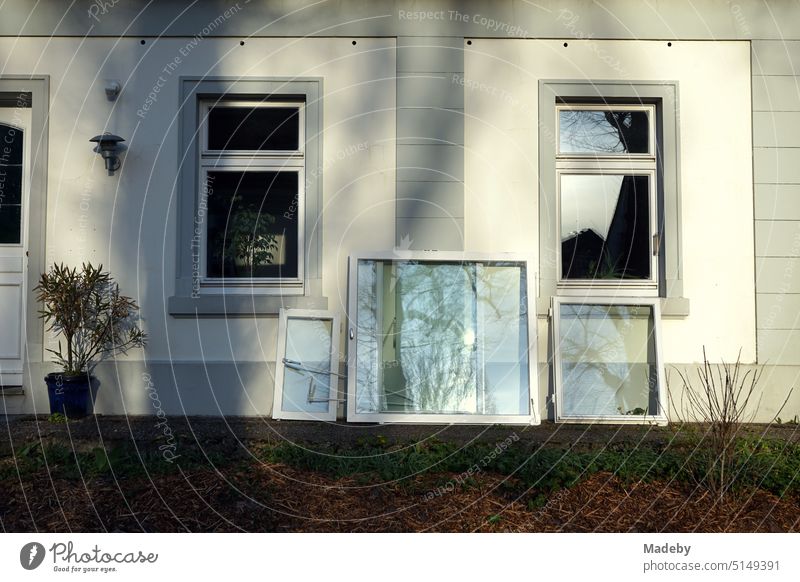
(86, 308)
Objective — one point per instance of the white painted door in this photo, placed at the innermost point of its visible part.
(14, 187)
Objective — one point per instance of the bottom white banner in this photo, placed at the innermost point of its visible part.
(421, 557)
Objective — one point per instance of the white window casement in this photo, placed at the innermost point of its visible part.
(252, 177)
(249, 197)
(307, 365)
(606, 179)
(441, 337)
(609, 191)
(607, 362)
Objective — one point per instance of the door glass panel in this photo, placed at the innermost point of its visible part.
(253, 128)
(603, 132)
(11, 141)
(306, 386)
(252, 224)
(10, 184)
(10, 145)
(10, 224)
(605, 226)
(607, 355)
(442, 338)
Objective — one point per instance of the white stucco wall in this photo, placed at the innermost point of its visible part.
(128, 222)
(715, 166)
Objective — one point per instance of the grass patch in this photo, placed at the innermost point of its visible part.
(770, 465)
(96, 462)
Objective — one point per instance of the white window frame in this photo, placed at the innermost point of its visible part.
(661, 397)
(610, 164)
(256, 161)
(532, 418)
(333, 394)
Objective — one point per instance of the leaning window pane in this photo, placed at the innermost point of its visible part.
(442, 338)
(306, 381)
(603, 132)
(605, 226)
(607, 357)
(252, 229)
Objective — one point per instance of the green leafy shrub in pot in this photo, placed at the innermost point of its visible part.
(85, 307)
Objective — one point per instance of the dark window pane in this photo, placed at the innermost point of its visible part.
(252, 224)
(253, 128)
(10, 184)
(10, 223)
(603, 132)
(10, 145)
(605, 226)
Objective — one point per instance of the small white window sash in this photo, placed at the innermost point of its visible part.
(651, 141)
(659, 417)
(261, 285)
(332, 372)
(633, 287)
(206, 106)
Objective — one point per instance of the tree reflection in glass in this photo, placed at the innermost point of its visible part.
(605, 226)
(603, 132)
(608, 360)
(442, 337)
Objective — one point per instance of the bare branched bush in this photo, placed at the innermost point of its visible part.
(726, 399)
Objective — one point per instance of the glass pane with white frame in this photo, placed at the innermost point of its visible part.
(442, 337)
(606, 226)
(252, 224)
(607, 360)
(604, 131)
(308, 385)
(307, 365)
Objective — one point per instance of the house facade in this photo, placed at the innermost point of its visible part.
(409, 211)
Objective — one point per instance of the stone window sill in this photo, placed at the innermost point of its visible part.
(241, 305)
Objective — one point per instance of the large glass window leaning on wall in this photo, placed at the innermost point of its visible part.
(438, 338)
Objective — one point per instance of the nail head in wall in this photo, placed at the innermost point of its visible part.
(241, 43)
(141, 41)
(354, 43)
(469, 42)
(566, 44)
(669, 44)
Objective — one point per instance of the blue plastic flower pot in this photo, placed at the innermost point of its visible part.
(69, 395)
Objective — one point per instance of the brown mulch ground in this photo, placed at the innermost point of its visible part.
(271, 497)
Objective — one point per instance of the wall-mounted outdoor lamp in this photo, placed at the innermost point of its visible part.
(108, 146)
(112, 87)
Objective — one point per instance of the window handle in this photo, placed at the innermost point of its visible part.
(656, 244)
